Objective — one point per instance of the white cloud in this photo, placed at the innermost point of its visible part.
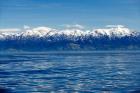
(114, 26)
(77, 26)
(26, 27)
(10, 30)
(43, 28)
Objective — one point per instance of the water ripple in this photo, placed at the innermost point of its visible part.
(70, 72)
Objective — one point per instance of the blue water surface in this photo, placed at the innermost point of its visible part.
(70, 71)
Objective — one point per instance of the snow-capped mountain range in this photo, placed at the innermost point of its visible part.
(110, 31)
(71, 38)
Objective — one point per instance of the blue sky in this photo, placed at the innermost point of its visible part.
(55, 13)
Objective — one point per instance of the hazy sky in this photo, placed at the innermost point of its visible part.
(55, 13)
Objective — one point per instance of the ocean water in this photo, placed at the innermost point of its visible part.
(70, 72)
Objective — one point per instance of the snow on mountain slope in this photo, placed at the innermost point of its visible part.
(110, 31)
(39, 31)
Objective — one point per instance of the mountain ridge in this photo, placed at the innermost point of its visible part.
(44, 38)
(44, 31)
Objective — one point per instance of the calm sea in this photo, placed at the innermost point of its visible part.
(70, 72)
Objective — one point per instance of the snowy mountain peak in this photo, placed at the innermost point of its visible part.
(112, 30)
(39, 31)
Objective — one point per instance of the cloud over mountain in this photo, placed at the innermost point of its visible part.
(10, 30)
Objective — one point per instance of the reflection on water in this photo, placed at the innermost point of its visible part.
(76, 72)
